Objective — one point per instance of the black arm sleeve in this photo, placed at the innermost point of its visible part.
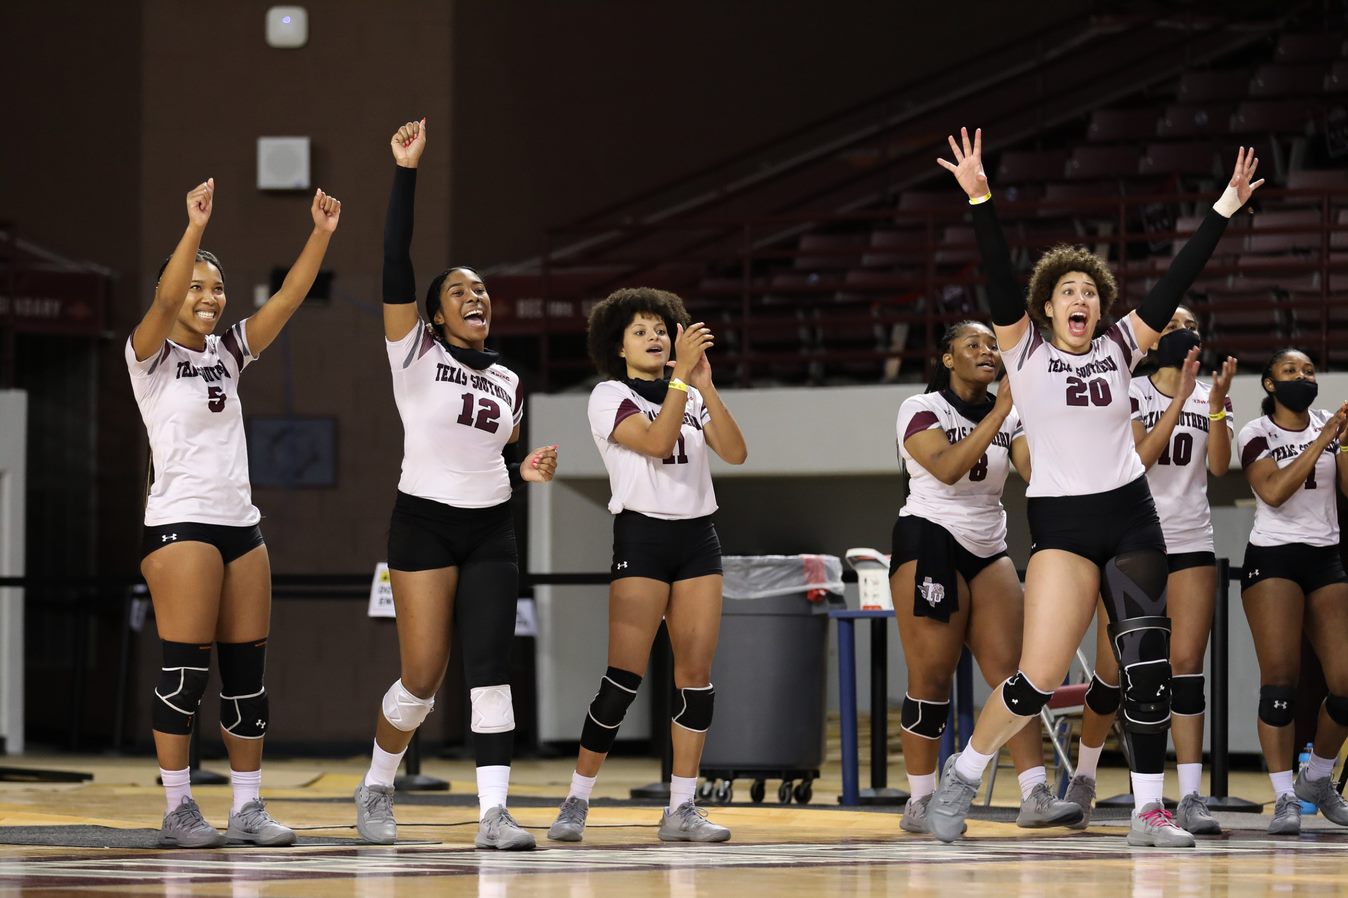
(511, 453)
(1158, 306)
(400, 283)
(1004, 295)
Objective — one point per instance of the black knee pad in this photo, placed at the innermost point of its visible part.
(1189, 697)
(923, 718)
(1337, 708)
(182, 683)
(1021, 697)
(1277, 705)
(693, 706)
(1102, 698)
(244, 707)
(1142, 646)
(616, 691)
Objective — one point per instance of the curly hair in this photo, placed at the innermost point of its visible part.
(1055, 263)
(611, 315)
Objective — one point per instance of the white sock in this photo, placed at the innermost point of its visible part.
(383, 766)
(681, 791)
(247, 787)
(971, 763)
(1147, 789)
(493, 783)
(1088, 759)
(920, 785)
(1282, 783)
(582, 787)
(1029, 779)
(1319, 768)
(1190, 778)
(177, 786)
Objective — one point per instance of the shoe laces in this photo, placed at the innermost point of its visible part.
(378, 803)
(1159, 817)
(506, 820)
(1043, 799)
(254, 814)
(187, 814)
(572, 811)
(691, 814)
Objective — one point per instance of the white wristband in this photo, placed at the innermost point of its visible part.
(1228, 203)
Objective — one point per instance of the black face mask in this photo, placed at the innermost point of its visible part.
(650, 390)
(1174, 346)
(477, 359)
(1295, 395)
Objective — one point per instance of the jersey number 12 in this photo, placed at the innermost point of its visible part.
(488, 414)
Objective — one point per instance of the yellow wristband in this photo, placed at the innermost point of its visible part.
(1343, 450)
(982, 199)
(676, 384)
(1217, 416)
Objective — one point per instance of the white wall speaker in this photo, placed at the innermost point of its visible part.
(283, 163)
(287, 27)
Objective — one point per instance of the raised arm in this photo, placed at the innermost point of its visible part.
(1152, 443)
(1007, 302)
(1276, 485)
(400, 282)
(657, 439)
(948, 462)
(266, 323)
(1158, 306)
(149, 336)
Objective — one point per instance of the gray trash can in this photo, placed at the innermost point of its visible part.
(771, 675)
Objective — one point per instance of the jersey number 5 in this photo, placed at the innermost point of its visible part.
(215, 399)
(488, 414)
(1087, 392)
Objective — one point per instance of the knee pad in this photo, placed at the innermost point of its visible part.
(693, 707)
(182, 683)
(1277, 705)
(1142, 646)
(493, 709)
(1134, 585)
(244, 708)
(1021, 697)
(1102, 698)
(617, 691)
(1189, 696)
(405, 710)
(1337, 708)
(923, 718)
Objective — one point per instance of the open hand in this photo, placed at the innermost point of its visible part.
(200, 200)
(689, 345)
(408, 143)
(1188, 374)
(325, 210)
(540, 465)
(1221, 384)
(1246, 164)
(968, 165)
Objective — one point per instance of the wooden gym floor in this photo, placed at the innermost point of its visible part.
(777, 849)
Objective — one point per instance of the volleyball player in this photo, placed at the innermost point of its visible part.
(1183, 429)
(952, 581)
(653, 435)
(1293, 580)
(1092, 518)
(451, 550)
(202, 553)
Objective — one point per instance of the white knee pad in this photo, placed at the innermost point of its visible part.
(493, 709)
(403, 709)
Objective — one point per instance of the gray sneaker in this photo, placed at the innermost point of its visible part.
(1324, 796)
(1286, 816)
(1043, 809)
(1193, 815)
(689, 823)
(950, 802)
(184, 827)
(1153, 826)
(499, 830)
(570, 823)
(914, 819)
(1081, 792)
(254, 825)
(374, 814)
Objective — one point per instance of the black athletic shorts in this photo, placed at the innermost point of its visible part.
(904, 548)
(1097, 526)
(1309, 567)
(1182, 561)
(425, 535)
(664, 550)
(232, 542)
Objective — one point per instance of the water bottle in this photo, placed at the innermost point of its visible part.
(1307, 808)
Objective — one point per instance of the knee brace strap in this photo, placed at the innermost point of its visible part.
(1190, 698)
(1102, 698)
(1142, 646)
(1277, 705)
(924, 718)
(244, 708)
(181, 685)
(405, 710)
(493, 709)
(1021, 697)
(617, 691)
(693, 707)
(1337, 708)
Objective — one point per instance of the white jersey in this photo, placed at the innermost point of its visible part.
(456, 422)
(1310, 515)
(1179, 479)
(189, 401)
(673, 488)
(1076, 412)
(971, 508)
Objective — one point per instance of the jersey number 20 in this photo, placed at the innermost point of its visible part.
(1089, 392)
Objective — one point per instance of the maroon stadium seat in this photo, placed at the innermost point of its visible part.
(1198, 120)
(1336, 82)
(1110, 125)
(1305, 48)
(1179, 158)
(829, 252)
(1030, 165)
(1287, 80)
(1270, 117)
(1102, 162)
(1223, 84)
